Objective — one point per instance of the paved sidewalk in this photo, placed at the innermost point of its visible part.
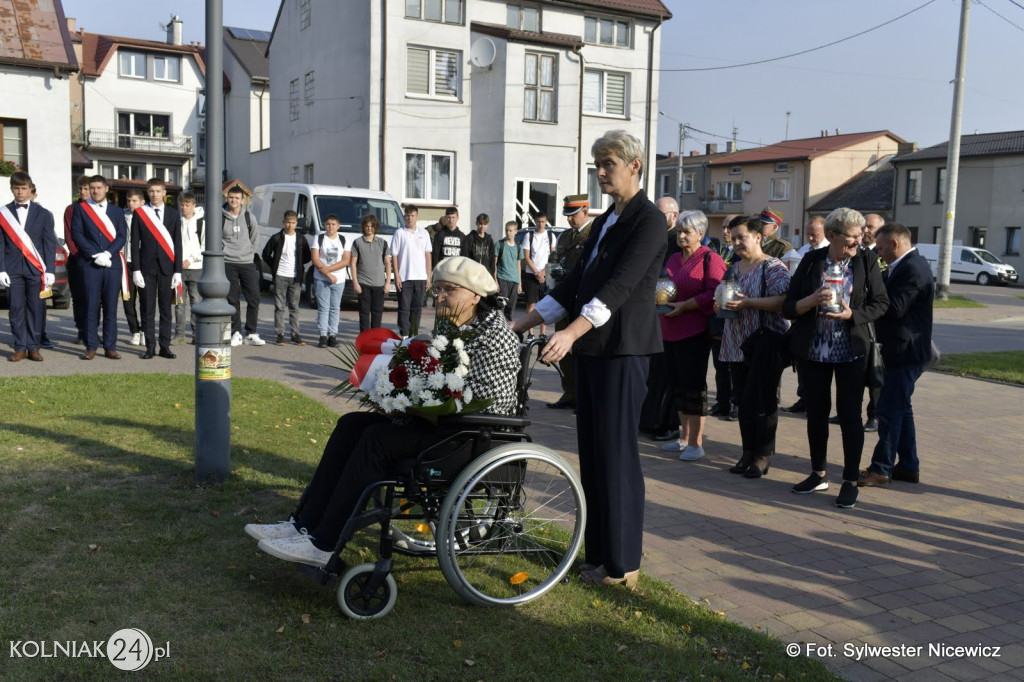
(936, 564)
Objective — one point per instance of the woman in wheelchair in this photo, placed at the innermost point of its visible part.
(365, 445)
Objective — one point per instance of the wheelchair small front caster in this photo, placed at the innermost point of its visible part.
(358, 601)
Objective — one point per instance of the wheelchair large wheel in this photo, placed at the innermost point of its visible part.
(511, 525)
(359, 602)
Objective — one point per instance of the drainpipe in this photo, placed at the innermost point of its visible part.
(650, 98)
(579, 123)
(383, 91)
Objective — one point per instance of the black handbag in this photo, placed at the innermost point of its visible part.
(766, 347)
(875, 372)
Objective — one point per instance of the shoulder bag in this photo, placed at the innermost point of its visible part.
(766, 347)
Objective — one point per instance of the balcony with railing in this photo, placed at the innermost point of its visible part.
(156, 143)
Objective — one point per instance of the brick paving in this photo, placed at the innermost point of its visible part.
(938, 564)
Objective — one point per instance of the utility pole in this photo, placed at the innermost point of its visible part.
(953, 157)
(213, 313)
(679, 171)
(787, 126)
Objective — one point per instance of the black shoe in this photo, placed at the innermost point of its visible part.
(279, 340)
(742, 465)
(848, 495)
(148, 355)
(165, 353)
(561, 404)
(332, 341)
(666, 435)
(46, 343)
(871, 425)
(734, 414)
(297, 340)
(323, 342)
(758, 468)
(811, 484)
(833, 420)
(798, 406)
(905, 475)
(720, 410)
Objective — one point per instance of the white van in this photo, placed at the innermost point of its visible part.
(970, 264)
(313, 203)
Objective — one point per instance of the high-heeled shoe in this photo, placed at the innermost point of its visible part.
(741, 466)
(758, 468)
(599, 576)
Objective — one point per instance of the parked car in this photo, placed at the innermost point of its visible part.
(61, 298)
(313, 203)
(971, 264)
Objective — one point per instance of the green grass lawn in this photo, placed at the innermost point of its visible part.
(956, 301)
(103, 528)
(1005, 366)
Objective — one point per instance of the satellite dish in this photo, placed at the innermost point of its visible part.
(482, 52)
(746, 186)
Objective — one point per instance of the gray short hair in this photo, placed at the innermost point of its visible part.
(692, 220)
(621, 144)
(841, 218)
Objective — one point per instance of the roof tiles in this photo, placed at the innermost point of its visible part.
(807, 148)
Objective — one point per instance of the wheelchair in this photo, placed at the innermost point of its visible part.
(503, 516)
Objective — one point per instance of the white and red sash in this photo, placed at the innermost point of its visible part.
(147, 214)
(107, 229)
(16, 233)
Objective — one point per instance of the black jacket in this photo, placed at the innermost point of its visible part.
(148, 256)
(868, 300)
(622, 276)
(274, 247)
(905, 330)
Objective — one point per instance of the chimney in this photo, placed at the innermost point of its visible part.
(837, 131)
(71, 24)
(730, 146)
(694, 152)
(671, 155)
(174, 30)
(711, 148)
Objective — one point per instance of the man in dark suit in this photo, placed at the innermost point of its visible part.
(905, 332)
(27, 247)
(609, 296)
(156, 259)
(99, 230)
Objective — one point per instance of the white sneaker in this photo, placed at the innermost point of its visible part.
(255, 340)
(136, 339)
(298, 549)
(236, 339)
(690, 453)
(272, 531)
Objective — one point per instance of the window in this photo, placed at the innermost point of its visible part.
(940, 187)
(782, 167)
(539, 95)
(780, 189)
(604, 92)
(1012, 242)
(123, 171)
(936, 233)
(688, 183)
(136, 124)
(523, 17)
(429, 176)
(294, 174)
(201, 149)
(446, 11)
(307, 173)
(169, 174)
(293, 100)
(132, 65)
(305, 14)
(310, 88)
(729, 191)
(433, 73)
(663, 184)
(735, 170)
(978, 236)
(167, 69)
(601, 31)
(913, 186)
(12, 142)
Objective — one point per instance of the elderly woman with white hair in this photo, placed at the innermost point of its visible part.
(835, 344)
(696, 271)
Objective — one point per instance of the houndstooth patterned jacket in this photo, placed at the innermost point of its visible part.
(494, 362)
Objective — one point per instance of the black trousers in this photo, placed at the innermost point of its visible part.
(688, 362)
(130, 306)
(410, 305)
(157, 294)
(371, 307)
(723, 377)
(754, 388)
(816, 379)
(243, 279)
(609, 394)
(76, 283)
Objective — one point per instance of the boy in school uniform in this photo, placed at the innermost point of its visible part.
(287, 254)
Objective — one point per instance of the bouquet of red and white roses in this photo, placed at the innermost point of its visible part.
(421, 375)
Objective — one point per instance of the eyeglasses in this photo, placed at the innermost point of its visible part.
(849, 237)
(446, 289)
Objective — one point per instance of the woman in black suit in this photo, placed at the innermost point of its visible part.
(835, 344)
(609, 296)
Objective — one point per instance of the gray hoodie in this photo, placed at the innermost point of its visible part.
(240, 241)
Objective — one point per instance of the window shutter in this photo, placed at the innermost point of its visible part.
(592, 91)
(616, 94)
(418, 71)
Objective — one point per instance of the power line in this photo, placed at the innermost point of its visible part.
(812, 49)
(1016, 26)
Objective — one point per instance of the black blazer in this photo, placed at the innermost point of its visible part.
(868, 300)
(39, 228)
(622, 276)
(147, 254)
(905, 330)
(274, 249)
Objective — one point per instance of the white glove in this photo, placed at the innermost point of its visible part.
(102, 259)
(176, 280)
(139, 280)
(5, 279)
(50, 279)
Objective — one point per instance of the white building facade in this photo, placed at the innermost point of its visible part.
(247, 105)
(491, 106)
